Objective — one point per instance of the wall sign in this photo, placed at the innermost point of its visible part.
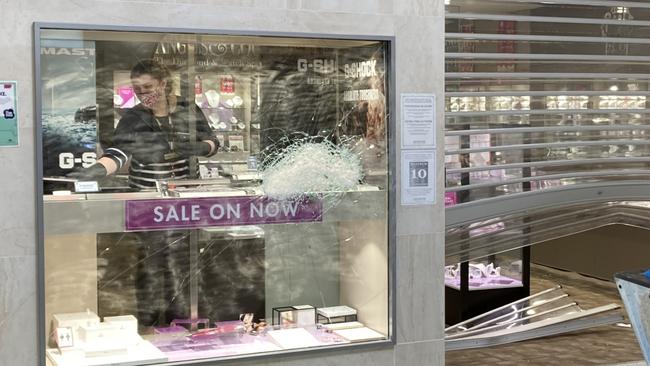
(418, 121)
(418, 177)
(69, 107)
(218, 211)
(8, 114)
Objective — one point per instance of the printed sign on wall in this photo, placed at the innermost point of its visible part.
(418, 121)
(418, 177)
(418, 156)
(8, 114)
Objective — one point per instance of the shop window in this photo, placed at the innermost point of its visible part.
(209, 196)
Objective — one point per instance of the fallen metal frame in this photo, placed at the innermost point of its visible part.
(500, 326)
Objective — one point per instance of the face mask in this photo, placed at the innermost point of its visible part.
(150, 99)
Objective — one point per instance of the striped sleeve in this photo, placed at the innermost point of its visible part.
(118, 156)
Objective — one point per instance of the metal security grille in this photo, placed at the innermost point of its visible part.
(546, 107)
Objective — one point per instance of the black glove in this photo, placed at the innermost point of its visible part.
(187, 149)
(94, 172)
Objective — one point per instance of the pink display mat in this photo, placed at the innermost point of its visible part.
(182, 348)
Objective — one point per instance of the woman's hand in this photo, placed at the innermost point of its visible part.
(94, 172)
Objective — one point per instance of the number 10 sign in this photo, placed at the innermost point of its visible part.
(418, 177)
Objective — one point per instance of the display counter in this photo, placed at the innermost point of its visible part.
(75, 261)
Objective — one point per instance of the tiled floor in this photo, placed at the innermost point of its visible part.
(606, 345)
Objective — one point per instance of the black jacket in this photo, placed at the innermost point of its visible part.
(140, 137)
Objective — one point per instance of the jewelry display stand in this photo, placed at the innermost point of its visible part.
(466, 301)
(115, 341)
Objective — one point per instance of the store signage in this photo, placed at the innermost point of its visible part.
(363, 94)
(8, 114)
(67, 51)
(418, 121)
(69, 101)
(358, 70)
(213, 49)
(208, 54)
(218, 211)
(321, 66)
(418, 177)
(68, 160)
(316, 70)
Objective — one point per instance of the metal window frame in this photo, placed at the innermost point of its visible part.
(540, 38)
(545, 19)
(549, 163)
(547, 129)
(500, 206)
(546, 75)
(542, 56)
(590, 174)
(592, 3)
(549, 93)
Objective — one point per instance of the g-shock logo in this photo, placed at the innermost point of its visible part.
(318, 65)
(67, 160)
(360, 70)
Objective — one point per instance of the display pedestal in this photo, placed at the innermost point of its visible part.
(462, 303)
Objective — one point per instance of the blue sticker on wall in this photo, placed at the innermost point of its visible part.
(8, 113)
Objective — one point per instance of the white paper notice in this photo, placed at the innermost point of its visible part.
(418, 121)
(418, 177)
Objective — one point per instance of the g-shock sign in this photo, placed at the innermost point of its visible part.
(360, 70)
(318, 65)
(67, 160)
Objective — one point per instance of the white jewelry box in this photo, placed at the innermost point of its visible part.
(100, 333)
(336, 314)
(75, 321)
(126, 323)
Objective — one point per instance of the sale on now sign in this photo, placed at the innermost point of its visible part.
(218, 211)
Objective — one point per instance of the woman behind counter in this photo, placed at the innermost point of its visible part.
(154, 135)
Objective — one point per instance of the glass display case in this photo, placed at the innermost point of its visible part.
(209, 196)
(499, 271)
(478, 286)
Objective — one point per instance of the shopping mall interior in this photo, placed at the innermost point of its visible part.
(301, 236)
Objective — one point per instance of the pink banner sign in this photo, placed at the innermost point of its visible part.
(160, 214)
